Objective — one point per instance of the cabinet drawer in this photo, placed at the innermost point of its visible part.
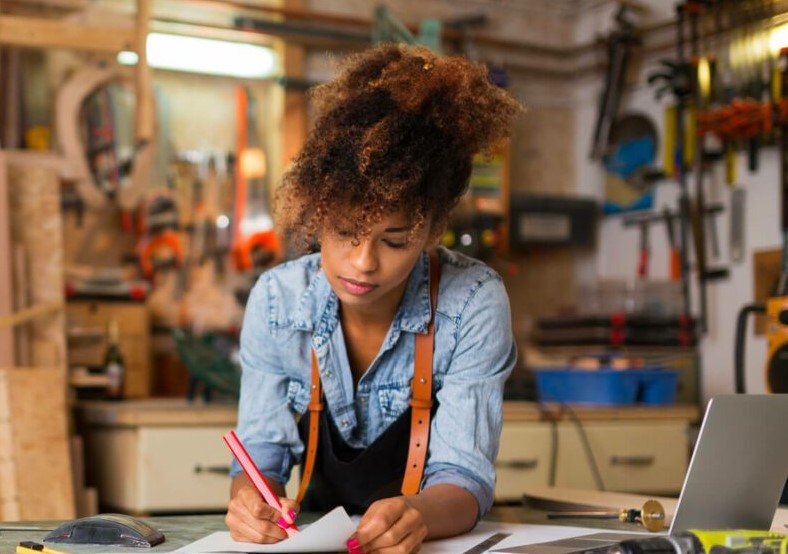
(182, 468)
(523, 459)
(642, 457)
(132, 318)
(154, 469)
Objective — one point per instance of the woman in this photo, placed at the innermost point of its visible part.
(344, 330)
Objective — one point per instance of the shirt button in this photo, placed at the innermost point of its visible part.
(328, 374)
(345, 423)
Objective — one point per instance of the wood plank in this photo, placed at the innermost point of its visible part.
(35, 461)
(294, 123)
(21, 301)
(54, 33)
(567, 498)
(33, 312)
(11, 98)
(144, 116)
(31, 158)
(6, 292)
(36, 224)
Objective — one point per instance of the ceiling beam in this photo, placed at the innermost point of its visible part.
(38, 32)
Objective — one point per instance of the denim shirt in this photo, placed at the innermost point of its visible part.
(293, 309)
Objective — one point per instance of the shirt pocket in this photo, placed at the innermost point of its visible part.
(297, 396)
(394, 400)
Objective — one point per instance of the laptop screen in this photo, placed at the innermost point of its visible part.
(739, 466)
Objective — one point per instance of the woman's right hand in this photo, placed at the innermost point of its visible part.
(250, 519)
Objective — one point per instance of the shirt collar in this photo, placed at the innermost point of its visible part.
(414, 312)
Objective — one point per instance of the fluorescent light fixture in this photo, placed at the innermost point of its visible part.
(202, 55)
(778, 38)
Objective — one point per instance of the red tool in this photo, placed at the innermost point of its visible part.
(674, 256)
(644, 251)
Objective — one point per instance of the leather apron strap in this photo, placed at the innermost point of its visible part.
(315, 407)
(421, 402)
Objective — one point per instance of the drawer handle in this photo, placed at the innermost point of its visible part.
(633, 461)
(518, 464)
(221, 470)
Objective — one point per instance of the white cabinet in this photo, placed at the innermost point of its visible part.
(629, 457)
(524, 458)
(627, 449)
(160, 469)
(155, 456)
(159, 455)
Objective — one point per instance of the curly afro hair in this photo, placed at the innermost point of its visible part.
(396, 130)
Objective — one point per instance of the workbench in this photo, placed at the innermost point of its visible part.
(159, 456)
(182, 530)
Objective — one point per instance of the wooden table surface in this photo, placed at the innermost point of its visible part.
(182, 530)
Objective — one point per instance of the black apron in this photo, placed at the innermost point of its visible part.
(355, 477)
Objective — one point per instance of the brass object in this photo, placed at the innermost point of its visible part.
(651, 515)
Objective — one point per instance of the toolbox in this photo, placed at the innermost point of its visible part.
(607, 386)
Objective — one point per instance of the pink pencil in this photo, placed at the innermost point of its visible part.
(254, 475)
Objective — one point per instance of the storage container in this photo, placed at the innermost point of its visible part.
(605, 386)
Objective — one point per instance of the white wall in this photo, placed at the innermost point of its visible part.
(618, 246)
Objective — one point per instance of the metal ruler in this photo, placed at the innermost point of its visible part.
(487, 543)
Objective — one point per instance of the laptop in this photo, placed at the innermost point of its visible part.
(735, 477)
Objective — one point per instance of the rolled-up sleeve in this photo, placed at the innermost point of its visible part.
(465, 432)
(266, 425)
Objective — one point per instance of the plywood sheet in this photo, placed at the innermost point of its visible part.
(36, 481)
(36, 224)
(6, 292)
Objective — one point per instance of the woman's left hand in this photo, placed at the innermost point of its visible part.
(389, 526)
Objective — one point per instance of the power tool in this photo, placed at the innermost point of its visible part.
(695, 541)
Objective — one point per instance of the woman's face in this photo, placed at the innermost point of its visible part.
(372, 271)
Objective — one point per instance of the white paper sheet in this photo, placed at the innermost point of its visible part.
(327, 534)
(520, 534)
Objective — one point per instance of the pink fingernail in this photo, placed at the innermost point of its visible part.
(292, 515)
(352, 543)
(282, 523)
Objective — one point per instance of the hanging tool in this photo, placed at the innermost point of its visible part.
(651, 515)
(388, 28)
(676, 77)
(160, 244)
(737, 211)
(701, 88)
(674, 256)
(255, 244)
(644, 253)
(619, 44)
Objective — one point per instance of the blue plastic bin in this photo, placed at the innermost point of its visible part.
(606, 387)
(657, 386)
